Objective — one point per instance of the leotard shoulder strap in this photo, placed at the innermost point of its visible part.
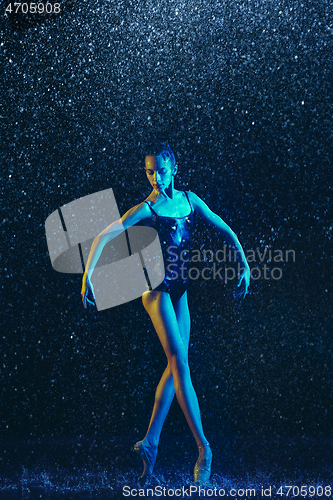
(151, 208)
(188, 199)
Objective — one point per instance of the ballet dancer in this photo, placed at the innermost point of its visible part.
(170, 212)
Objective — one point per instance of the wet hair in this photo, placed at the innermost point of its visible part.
(161, 149)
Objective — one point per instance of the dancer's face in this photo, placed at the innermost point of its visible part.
(159, 172)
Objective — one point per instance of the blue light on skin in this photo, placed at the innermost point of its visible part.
(167, 200)
(170, 319)
(160, 173)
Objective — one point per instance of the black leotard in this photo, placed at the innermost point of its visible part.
(174, 234)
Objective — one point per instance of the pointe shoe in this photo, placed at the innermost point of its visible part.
(202, 468)
(148, 455)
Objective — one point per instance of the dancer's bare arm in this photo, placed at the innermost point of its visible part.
(231, 238)
(131, 217)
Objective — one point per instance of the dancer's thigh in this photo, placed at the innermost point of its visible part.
(183, 319)
(162, 313)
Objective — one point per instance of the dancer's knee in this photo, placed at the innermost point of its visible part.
(167, 373)
(178, 364)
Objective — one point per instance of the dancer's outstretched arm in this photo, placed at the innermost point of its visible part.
(231, 238)
(131, 217)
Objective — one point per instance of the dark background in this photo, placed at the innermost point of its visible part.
(243, 92)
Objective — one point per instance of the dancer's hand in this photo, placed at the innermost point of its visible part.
(244, 282)
(87, 290)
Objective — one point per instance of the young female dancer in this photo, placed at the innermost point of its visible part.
(170, 212)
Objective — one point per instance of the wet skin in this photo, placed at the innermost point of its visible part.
(170, 318)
